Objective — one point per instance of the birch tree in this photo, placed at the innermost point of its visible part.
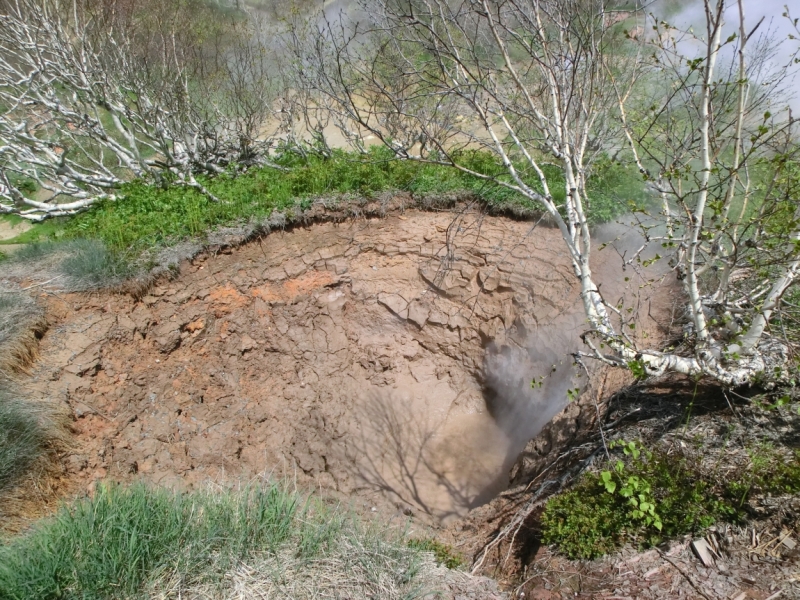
(93, 94)
(538, 83)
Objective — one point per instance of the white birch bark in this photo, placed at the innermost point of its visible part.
(81, 112)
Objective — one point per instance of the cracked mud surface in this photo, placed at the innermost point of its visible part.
(348, 356)
(384, 361)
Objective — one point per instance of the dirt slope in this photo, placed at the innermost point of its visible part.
(385, 359)
(349, 355)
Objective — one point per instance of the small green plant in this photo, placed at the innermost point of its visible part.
(444, 554)
(644, 497)
(634, 488)
(637, 367)
(573, 394)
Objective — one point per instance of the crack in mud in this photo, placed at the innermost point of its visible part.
(351, 356)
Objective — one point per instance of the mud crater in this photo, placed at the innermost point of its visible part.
(349, 356)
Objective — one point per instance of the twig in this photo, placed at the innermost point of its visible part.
(685, 576)
(95, 411)
(30, 287)
(534, 502)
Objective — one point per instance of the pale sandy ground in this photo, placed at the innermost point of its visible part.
(8, 231)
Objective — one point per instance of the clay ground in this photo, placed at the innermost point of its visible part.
(387, 362)
(348, 356)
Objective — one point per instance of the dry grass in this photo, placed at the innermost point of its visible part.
(22, 323)
(32, 433)
(360, 567)
(72, 265)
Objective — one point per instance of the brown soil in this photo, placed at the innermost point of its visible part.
(346, 355)
(387, 361)
(350, 356)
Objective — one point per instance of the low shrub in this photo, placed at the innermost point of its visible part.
(672, 496)
(599, 513)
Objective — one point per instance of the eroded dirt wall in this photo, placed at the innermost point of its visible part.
(350, 356)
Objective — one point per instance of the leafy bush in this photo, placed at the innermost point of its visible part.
(595, 517)
(585, 522)
(141, 542)
(598, 514)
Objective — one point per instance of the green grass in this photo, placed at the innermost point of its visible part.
(770, 473)
(147, 216)
(150, 216)
(140, 541)
(587, 521)
(23, 437)
(442, 553)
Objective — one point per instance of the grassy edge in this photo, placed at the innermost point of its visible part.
(148, 216)
(136, 541)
